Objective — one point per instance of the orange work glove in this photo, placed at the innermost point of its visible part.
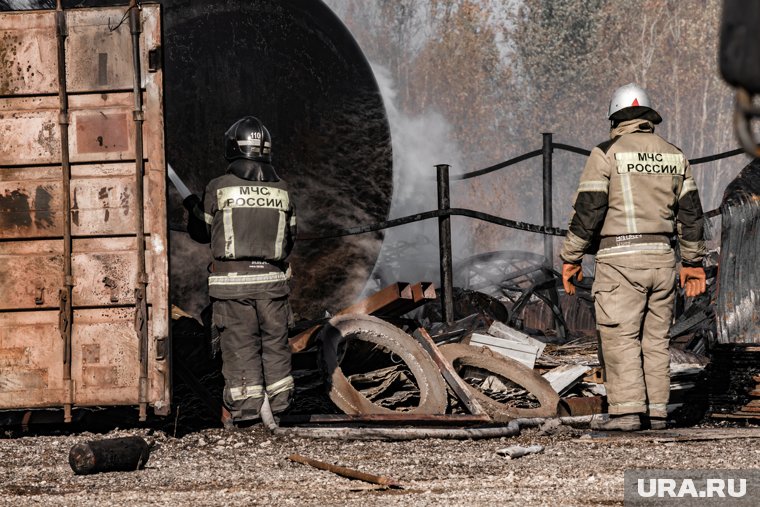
(693, 280)
(568, 272)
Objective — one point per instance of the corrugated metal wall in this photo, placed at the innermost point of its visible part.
(738, 305)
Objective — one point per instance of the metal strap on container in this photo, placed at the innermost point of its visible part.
(65, 294)
(141, 303)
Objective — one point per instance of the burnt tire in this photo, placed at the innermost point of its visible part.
(340, 329)
(484, 358)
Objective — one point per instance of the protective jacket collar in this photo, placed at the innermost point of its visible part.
(252, 170)
(630, 126)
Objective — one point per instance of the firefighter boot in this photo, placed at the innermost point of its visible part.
(626, 422)
(654, 423)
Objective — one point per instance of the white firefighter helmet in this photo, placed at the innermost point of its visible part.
(630, 95)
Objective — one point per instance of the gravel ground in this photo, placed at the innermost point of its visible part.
(250, 467)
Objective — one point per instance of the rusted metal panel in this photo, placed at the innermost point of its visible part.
(101, 53)
(31, 370)
(100, 133)
(105, 372)
(101, 129)
(102, 201)
(29, 129)
(28, 54)
(104, 271)
(30, 203)
(30, 275)
(119, 53)
(105, 347)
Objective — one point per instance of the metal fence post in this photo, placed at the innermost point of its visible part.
(548, 222)
(444, 245)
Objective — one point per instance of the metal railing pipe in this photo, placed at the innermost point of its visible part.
(444, 244)
(548, 219)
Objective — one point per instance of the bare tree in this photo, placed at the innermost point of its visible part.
(502, 72)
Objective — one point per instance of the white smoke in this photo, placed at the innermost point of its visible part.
(410, 252)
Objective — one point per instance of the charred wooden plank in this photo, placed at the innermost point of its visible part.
(583, 405)
(347, 472)
(459, 386)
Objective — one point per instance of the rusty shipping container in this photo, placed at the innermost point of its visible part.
(84, 312)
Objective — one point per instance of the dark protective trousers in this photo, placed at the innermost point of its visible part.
(255, 354)
(634, 309)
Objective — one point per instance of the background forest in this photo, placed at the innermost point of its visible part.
(476, 82)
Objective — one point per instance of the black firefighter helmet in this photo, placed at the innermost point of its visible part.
(248, 138)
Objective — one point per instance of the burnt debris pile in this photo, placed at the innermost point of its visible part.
(520, 351)
(517, 348)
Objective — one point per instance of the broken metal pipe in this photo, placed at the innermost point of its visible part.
(391, 434)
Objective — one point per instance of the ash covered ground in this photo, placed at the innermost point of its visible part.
(250, 467)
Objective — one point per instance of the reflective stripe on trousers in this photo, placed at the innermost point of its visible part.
(280, 386)
(245, 392)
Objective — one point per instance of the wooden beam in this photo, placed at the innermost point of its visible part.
(459, 386)
(347, 472)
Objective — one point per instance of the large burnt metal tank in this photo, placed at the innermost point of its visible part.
(293, 64)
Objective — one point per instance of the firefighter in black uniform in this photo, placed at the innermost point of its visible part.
(249, 218)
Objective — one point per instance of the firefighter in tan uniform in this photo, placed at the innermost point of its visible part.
(248, 217)
(636, 195)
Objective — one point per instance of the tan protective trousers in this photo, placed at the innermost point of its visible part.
(255, 354)
(634, 309)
